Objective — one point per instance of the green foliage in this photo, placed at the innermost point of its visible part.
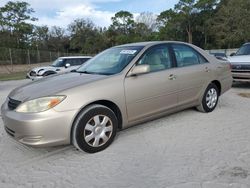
(85, 37)
(206, 23)
(123, 22)
(170, 26)
(13, 22)
(231, 24)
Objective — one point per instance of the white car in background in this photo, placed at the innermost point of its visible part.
(60, 65)
(240, 63)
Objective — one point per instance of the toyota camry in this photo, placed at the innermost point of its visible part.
(120, 87)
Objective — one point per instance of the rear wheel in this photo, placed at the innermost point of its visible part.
(94, 129)
(210, 99)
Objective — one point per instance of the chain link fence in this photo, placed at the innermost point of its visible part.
(227, 52)
(20, 60)
(11, 60)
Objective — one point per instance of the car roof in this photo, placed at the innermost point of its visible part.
(73, 57)
(149, 43)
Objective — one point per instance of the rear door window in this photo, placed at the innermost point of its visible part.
(187, 56)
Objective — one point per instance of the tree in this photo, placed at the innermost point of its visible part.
(170, 26)
(58, 40)
(181, 19)
(148, 19)
(186, 10)
(231, 23)
(189, 21)
(122, 29)
(123, 22)
(41, 37)
(206, 12)
(13, 19)
(85, 37)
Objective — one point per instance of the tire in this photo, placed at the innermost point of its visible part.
(209, 99)
(94, 129)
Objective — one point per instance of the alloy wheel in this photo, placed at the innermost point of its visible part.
(98, 130)
(211, 98)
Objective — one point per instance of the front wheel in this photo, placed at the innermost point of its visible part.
(210, 99)
(94, 129)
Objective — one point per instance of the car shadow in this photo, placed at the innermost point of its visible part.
(241, 85)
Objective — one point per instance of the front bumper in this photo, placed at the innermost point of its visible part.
(49, 128)
(33, 77)
(242, 75)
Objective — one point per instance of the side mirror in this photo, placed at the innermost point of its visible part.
(67, 65)
(232, 54)
(139, 69)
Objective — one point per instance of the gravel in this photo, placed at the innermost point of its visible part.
(188, 149)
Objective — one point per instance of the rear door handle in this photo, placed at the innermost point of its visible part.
(172, 77)
(207, 69)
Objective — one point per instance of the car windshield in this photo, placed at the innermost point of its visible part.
(244, 50)
(110, 61)
(58, 63)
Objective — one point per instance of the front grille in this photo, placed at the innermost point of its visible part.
(241, 67)
(241, 78)
(12, 104)
(10, 132)
(32, 73)
(240, 71)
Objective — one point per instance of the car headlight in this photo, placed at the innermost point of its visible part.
(40, 104)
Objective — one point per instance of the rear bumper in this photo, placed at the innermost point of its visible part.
(49, 128)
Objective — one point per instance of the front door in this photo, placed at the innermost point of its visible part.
(155, 91)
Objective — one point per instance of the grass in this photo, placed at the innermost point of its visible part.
(13, 76)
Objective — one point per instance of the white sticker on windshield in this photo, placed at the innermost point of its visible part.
(130, 52)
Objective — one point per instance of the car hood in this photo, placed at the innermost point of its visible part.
(44, 68)
(239, 59)
(52, 85)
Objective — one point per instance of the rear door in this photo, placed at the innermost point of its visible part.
(193, 73)
(154, 92)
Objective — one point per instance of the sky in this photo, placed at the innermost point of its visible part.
(63, 12)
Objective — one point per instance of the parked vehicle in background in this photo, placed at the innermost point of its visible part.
(60, 65)
(240, 62)
(120, 87)
(219, 55)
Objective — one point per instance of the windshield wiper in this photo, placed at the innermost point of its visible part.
(85, 72)
(98, 73)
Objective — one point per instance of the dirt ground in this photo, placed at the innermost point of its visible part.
(188, 149)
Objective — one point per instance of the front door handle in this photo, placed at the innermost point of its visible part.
(172, 77)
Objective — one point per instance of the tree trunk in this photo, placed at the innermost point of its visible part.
(190, 34)
(190, 37)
